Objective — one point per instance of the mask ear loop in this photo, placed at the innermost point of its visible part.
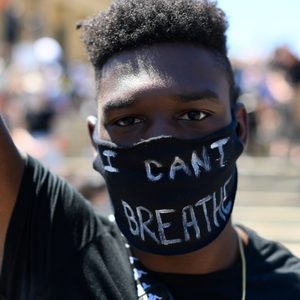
(234, 121)
(97, 140)
(96, 133)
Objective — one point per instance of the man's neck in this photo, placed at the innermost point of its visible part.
(218, 255)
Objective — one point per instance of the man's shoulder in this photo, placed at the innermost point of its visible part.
(273, 252)
(45, 198)
(272, 267)
(57, 240)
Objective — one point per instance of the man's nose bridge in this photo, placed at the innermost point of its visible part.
(159, 127)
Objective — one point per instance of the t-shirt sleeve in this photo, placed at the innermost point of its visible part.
(51, 226)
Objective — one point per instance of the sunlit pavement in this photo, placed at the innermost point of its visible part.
(268, 199)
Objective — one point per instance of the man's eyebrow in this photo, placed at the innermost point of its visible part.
(196, 96)
(183, 97)
(117, 104)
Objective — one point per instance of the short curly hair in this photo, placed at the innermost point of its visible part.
(130, 24)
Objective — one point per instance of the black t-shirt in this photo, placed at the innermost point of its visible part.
(58, 247)
(272, 273)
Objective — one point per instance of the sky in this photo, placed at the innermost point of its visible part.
(257, 26)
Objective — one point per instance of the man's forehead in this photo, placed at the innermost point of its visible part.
(161, 64)
(136, 68)
(160, 56)
(125, 81)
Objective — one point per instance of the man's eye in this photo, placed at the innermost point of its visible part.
(193, 115)
(127, 121)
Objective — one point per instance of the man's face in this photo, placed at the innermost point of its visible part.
(164, 89)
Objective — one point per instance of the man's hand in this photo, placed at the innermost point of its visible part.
(11, 170)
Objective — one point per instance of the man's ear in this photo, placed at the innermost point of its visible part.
(92, 123)
(242, 122)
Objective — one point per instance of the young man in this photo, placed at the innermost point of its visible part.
(168, 134)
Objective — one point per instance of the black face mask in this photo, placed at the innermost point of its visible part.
(172, 196)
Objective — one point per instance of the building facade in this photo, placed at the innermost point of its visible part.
(54, 18)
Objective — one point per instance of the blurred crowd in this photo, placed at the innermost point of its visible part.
(39, 89)
(45, 99)
(270, 89)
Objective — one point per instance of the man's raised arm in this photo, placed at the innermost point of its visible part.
(11, 170)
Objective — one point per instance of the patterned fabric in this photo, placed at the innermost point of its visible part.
(148, 288)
